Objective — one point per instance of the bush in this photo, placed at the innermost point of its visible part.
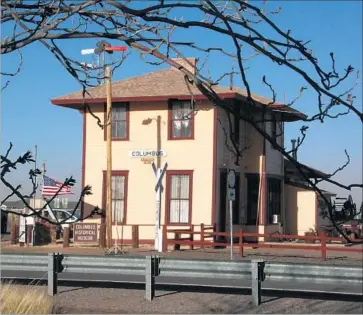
(30, 299)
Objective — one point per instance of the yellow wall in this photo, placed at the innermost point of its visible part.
(196, 155)
(300, 206)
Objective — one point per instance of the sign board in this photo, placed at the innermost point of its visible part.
(147, 153)
(231, 178)
(147, 160)
(231, 194)
(85, 232)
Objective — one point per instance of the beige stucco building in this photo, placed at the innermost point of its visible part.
(152, 113)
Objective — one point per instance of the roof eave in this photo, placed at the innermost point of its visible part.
(78, 102)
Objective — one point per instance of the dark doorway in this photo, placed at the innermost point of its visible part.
(252, 198)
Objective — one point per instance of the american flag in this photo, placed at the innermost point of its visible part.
(50, 187)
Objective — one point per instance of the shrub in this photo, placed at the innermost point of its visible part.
(30, 299)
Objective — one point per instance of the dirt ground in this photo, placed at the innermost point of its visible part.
(131, 301)
(268, 254)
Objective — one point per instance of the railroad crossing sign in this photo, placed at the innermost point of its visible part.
(159, 174)
(159, 180)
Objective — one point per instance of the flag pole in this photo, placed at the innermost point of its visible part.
(36, 181)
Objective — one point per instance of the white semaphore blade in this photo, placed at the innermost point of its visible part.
(87, 51)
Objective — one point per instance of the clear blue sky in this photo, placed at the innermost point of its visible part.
(28, 118)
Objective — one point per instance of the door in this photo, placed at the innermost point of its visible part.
(222, 205)
(252, 198)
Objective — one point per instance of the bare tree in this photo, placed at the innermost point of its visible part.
(152, 30)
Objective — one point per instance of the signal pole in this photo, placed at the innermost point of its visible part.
(109, 158)
(106, 227)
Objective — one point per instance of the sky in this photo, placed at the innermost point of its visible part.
(28, 118)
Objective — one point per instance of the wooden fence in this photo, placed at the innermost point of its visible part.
(205, 241)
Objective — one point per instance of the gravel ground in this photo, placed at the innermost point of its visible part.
(131, 301)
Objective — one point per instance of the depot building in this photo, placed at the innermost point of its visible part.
(152, 123)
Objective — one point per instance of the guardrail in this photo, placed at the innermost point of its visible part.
(278, 276)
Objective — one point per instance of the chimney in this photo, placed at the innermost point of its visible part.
(187, 63)
(294, 151)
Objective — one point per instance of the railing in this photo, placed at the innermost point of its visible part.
(241, 245)
(203, 236)
(285, 277)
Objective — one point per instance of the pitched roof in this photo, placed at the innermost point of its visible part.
(161, 85)
(291, 170)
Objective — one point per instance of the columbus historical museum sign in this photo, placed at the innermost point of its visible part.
(85, 233)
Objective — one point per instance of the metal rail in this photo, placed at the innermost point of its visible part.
(254, 275)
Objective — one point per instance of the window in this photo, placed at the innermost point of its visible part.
(55, 204)
(252, 198)
(179, 196)
(119, 195)
(235, 215)
(276, 130)
(181, 120)
(120, 121)
(273, 198)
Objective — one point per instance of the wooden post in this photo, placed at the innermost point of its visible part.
(109, 159)
(66, 237)
(13, 233)
(323, 246)
(135, 236)
(202, 234)
(192, 237)
(102, 238)
(29, 236)
(241, 243)
(53, 234)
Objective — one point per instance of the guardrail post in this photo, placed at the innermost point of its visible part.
(323, 246)
(52, 275)
(241, 242)
(257, 267)
(151, 271)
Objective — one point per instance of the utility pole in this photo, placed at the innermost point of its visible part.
(109, 159)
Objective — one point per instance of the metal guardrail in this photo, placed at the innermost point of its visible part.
(171, 267)
(278, 276)
(313, 272)
(24, 262)
(104, 265)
